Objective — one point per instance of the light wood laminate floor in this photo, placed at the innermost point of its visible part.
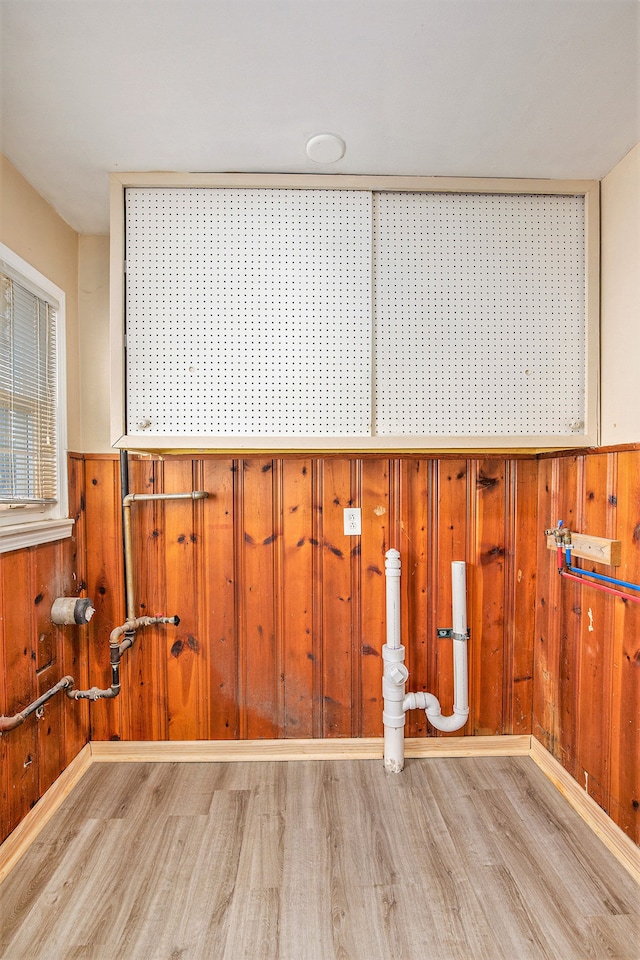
(454, 859)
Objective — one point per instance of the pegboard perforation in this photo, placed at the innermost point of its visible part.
(328, 313)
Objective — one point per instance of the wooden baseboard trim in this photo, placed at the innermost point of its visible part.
(365, 748)
(230, 751)
(617, 842)
(498, 746)
(19, 841)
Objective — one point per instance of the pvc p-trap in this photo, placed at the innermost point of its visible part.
(395, 674)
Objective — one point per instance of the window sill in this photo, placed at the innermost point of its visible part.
(31, 534)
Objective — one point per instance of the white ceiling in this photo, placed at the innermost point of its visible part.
(515, 88)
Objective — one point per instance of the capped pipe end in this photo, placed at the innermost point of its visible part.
(72, 610)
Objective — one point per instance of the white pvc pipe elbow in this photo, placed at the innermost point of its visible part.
(431, 705)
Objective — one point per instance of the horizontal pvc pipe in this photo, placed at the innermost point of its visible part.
(600, 586)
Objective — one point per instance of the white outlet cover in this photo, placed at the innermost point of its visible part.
(352, 521)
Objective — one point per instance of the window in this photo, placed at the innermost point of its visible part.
(33, 498)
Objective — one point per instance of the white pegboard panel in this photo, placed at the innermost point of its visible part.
(248, 312)
(479, 314)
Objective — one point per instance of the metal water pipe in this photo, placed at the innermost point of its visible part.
(122, 637)
(37, 706)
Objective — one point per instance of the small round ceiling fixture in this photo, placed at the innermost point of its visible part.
(325, 148)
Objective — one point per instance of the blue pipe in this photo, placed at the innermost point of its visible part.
(596, 576)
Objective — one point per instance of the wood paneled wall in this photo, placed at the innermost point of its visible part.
(34, 655)
(282, 615)
(587, 644)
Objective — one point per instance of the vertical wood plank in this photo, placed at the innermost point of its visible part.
(144, 666)
(375, 541)
(547, 576)
(104, 585)
(296, 591)
(186, 654)
(625, 687)
(414, 546)
(555, 643)
(521, 541)
(220, 599)
(199, 509)
(593, 706)
(450, 531)
(47, 584)
(262, 670)
(336, 599)
(570, 498)
(489, 592)
(75, 643)
(317, 486)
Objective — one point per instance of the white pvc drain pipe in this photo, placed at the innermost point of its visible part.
(395, 674)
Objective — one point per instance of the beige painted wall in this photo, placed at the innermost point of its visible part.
(620, 316)
(93, 276)
(80, 265)
(31, 228)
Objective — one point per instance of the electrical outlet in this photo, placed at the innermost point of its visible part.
(352, 521)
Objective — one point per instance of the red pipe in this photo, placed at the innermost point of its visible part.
(598, 586)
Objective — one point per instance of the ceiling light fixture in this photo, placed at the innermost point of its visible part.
(325, 148)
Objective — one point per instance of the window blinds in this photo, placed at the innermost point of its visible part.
(28, 396)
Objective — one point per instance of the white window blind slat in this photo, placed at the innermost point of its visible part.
(28, 396)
